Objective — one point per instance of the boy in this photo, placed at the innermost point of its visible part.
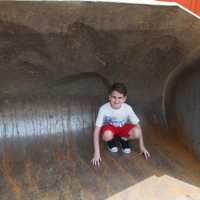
(113, 121)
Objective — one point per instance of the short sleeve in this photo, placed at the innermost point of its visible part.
(100, 116)
(133, 117)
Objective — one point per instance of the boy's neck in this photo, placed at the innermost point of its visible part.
(115, 108)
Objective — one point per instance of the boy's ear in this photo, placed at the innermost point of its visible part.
(125, 98)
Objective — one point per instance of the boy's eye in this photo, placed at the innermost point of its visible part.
(116, 97)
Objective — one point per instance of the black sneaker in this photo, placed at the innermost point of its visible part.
(112, 147)
(125, 146)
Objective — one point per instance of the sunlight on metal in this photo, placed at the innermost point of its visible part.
(43, 122)
(164, 187)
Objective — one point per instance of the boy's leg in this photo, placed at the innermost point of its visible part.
(108, 134)
(126, 133)
(135, 133)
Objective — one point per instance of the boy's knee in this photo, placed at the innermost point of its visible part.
(107, 135)
(135, 133)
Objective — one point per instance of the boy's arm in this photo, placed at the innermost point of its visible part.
(135, 120)
(141, 143)
(96, 158)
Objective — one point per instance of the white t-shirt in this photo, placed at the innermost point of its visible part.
(116, 117)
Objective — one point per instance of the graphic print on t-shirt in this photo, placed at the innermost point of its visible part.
(113, 121)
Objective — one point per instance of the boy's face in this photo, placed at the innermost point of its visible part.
(116, 99)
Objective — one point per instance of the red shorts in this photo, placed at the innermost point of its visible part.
(118, 131)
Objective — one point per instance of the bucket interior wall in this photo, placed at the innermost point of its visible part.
(57, 62)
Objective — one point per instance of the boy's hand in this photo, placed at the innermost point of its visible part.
(145, 152)
(96, 160)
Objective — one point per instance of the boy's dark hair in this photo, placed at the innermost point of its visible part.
(119, 87)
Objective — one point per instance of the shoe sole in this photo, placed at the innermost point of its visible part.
(113, 150)
(126, 151)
